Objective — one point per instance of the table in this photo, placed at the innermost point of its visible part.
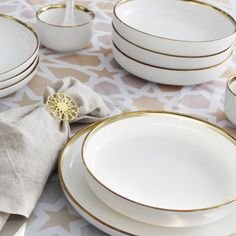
(96, 67)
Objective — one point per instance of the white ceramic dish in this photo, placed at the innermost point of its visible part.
(19, 46)
(17, 78)
(166, 61)
(183, 28)
(84, 201)
(230, 100)
(145, 166)
(169, 76)
(64, 38)
(18, 85)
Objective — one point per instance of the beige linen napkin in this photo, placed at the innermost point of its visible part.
(30, 141)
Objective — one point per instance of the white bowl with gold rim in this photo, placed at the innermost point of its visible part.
(169, 76)
(57, 37)
(182, 28)
(167, 61)
(19, 45)
(161, 169)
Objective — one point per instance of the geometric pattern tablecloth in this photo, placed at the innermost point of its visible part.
(96, 67)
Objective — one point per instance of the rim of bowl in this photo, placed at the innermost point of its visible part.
(146, 113)
(229, 82)
(36, 65)
(171, 69)
(179, 40)
(166, 54)
(31, 29)
(55, 6)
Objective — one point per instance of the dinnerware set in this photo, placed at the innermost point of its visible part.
(153, 179)
(19, 46)
(172, 42)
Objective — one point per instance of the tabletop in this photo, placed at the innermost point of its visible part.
(96, 67)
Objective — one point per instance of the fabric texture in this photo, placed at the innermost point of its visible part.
(30, 142)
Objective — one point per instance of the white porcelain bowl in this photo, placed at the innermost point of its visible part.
(64, 38)
(230, 100)
(183, 28)
(163, 60)
(18, 85)
(145, 166)
(19, 46)
(17, 78)
(169, 76)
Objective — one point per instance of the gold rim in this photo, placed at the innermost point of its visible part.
(54, 6)
(62, 182)
(25, 76)
(165, 54)
(145, 113)
(165, 68)
(31, 29)
(230, 81)
(178, 40)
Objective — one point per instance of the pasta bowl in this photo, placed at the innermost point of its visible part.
(160, 168)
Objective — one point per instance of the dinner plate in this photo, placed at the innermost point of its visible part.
(168, 76)
(18, 85)
(19, 46)
(17, 78)
(166, 61)
(162, 168)
(106, 219)
(183, 28)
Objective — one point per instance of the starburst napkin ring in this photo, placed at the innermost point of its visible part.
(62, 107)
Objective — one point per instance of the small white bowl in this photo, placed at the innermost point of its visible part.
(230, 99)
(167, 61)
(19, 45)
(182, 28)
(145, 166)
(64, 38)
(169, 76)
(18, 85)
(17, 78)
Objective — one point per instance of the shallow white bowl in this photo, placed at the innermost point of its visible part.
(64, 38)
(19, 46)
(230, 100)
(163, 60)
(70, 170)
(183, 28)
(169, 76)
(161, 168)
(17, 78)
(18, 85)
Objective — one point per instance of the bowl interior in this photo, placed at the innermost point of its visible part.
(55, 15)
(165, 161)
(15, 52)
(178, 20)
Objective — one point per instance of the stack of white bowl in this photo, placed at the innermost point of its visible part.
(172, 42)
(19, 45)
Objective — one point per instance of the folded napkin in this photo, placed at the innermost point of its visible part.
(31, 138)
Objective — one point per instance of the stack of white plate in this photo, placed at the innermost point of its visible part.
(19, 45)
(172, 42)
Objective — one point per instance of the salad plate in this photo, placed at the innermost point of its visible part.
(82, 198)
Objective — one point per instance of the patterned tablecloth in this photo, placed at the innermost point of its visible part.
(96, 67)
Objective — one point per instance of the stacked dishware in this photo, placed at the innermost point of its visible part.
(172, 42)
(19, 45)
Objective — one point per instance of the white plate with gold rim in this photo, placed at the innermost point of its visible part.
(167, 75)
(19, 46)
(183, 28)
(18, 85)
(106, 219)
(166, 61)
(162, 168)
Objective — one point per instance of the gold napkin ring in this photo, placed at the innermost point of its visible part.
(62, 107)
